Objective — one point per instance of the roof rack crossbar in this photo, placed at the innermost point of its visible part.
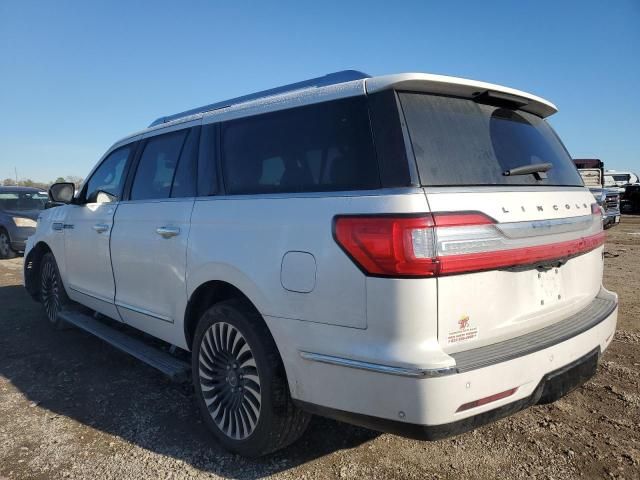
(324, 81)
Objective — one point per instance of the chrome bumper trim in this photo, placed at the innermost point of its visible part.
(378, 368)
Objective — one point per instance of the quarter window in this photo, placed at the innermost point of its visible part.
(321, 147)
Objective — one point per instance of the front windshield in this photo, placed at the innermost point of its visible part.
(23, 201)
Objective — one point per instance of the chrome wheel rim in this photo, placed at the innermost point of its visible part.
(4, 245)
(50, 291)
(229, 381)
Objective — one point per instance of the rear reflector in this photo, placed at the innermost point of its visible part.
(483, 401)
(429, 245)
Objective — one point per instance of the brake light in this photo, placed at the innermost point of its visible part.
(429, 245)
(389, 245)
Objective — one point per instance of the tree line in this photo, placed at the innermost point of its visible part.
(27, 182)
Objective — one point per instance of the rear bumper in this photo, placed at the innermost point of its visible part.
(553, 386)
(541, 367)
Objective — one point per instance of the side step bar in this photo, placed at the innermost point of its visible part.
(177, 370)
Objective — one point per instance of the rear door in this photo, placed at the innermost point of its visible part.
(151, 230)
(517, 250)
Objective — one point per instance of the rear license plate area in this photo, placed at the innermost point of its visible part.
(548, 286)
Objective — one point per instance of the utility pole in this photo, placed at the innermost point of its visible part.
(15, 169)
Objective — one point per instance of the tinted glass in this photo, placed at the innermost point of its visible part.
(207, 163)
(327, 146)
(157, 165)
(184, 181)
(109, 177)
(17, 201)
(461, 142)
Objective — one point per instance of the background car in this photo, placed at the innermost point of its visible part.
(19, 209)
(609, 200)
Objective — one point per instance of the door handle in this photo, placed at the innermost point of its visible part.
(168, 232)
(101, 227)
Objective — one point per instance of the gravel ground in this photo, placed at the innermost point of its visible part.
(73, 407)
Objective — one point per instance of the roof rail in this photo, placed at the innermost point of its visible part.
(329, 79)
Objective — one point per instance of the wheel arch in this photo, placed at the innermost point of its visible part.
(32, 264)
(203, 297)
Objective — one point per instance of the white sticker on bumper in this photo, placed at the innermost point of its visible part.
(464, 333)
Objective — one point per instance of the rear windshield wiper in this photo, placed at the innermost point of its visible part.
(538, 169)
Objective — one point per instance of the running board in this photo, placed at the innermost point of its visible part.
(177, 370)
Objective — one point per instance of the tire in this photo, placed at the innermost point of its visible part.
(240, 382)
(52, 293)
(6, 251)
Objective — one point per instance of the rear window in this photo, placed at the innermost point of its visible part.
(327, 146)
(460, 142)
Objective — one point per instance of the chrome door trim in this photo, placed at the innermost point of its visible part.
(143, 312)
(92, 295)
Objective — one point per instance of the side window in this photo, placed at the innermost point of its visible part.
(322, 147)
(105, 185)
(157, 165)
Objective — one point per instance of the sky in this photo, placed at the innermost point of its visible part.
(77, 76)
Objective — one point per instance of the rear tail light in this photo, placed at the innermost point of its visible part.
(429, 245)
(389, 246)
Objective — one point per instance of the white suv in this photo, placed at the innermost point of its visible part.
(412, 253)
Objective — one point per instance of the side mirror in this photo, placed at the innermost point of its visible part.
(62, 192)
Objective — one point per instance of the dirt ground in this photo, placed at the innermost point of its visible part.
(73, 407)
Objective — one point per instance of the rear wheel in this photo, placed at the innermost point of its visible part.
(5, 246)
(52, 293)
(240, 383)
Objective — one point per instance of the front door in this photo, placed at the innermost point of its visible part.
(150, 234)
(87, 232)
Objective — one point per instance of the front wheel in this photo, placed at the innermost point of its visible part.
(52, 293)
(240, 383)
(5, 246)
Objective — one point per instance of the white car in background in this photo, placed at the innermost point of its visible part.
(619, 179)
(413, 253)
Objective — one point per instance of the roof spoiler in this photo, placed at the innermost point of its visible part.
(464, 88)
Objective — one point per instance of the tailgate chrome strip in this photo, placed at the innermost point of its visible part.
(554, 226)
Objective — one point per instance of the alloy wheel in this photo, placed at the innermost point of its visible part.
(50, 290)
(4, 245)
(229, 380)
